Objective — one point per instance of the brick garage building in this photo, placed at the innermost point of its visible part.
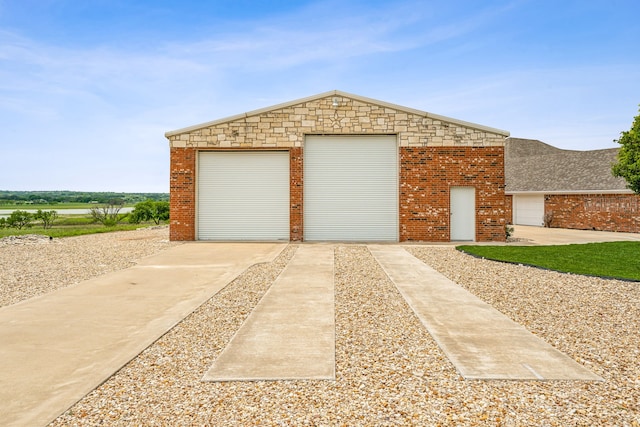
(337, 167)
(573, 189)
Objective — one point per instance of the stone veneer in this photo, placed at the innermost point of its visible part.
(435, 154)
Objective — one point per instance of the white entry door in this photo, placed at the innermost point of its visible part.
(463, 213)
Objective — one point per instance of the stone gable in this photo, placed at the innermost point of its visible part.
(287, 126)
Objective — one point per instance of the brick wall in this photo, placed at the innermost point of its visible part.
(426, 177)
(296, 186)
(605, 212)
(447, 141)
(182, 187)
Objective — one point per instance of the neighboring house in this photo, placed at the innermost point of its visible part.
(337, 167)
(573, 189)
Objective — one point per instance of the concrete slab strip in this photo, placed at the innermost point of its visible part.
(58, 347)
(480, 342)
(563, 236)
(290, 335)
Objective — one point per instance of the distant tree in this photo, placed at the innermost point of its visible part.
(150, 210)
(109, 213)
(78, 197)
(628, 165)
(3, 223)
(19, 219)
(47, 217)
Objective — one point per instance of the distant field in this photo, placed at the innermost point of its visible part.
(63, 210)
(50, 207)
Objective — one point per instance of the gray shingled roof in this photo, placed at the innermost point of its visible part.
(532, 165)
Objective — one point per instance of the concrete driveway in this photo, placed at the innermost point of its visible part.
(562, 236)
(58, 347)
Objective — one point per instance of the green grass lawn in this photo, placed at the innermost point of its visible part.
(72, 225)
(610, 259)
(69, 231)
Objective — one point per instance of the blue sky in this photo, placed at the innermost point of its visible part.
(88, 88)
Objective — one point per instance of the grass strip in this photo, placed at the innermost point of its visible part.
(620, 260)
(70, 231)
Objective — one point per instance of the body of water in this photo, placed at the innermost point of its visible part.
(6, 212)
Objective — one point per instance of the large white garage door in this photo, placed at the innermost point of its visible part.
(528, 209)
(243, 195)
(351, 188)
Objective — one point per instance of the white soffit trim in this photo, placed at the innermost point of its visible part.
(515, 193)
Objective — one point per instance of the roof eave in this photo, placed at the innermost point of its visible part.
(534, 192)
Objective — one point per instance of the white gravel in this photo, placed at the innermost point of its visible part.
(34, 265)
(389, 370)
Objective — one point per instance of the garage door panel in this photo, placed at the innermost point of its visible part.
(528, 209)
(243, 195)
(351, 188)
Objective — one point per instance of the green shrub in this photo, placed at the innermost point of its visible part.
(150, 210)
(108, 214)
(47, 217)
(110, 222)
(19, 219)
(508, 230)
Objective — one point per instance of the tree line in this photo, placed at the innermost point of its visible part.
(54, 197)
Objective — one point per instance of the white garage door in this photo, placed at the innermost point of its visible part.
(528, 209)
(243, 195)
(351, 188)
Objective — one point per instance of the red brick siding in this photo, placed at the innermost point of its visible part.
(508, 207)
(605, 212)
(426, 176)
(296, 213)
(183, 194)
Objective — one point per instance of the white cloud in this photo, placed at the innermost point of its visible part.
(328, 32)
(85, 110)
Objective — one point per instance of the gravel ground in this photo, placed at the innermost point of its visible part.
(389, 370)
(32, 265)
